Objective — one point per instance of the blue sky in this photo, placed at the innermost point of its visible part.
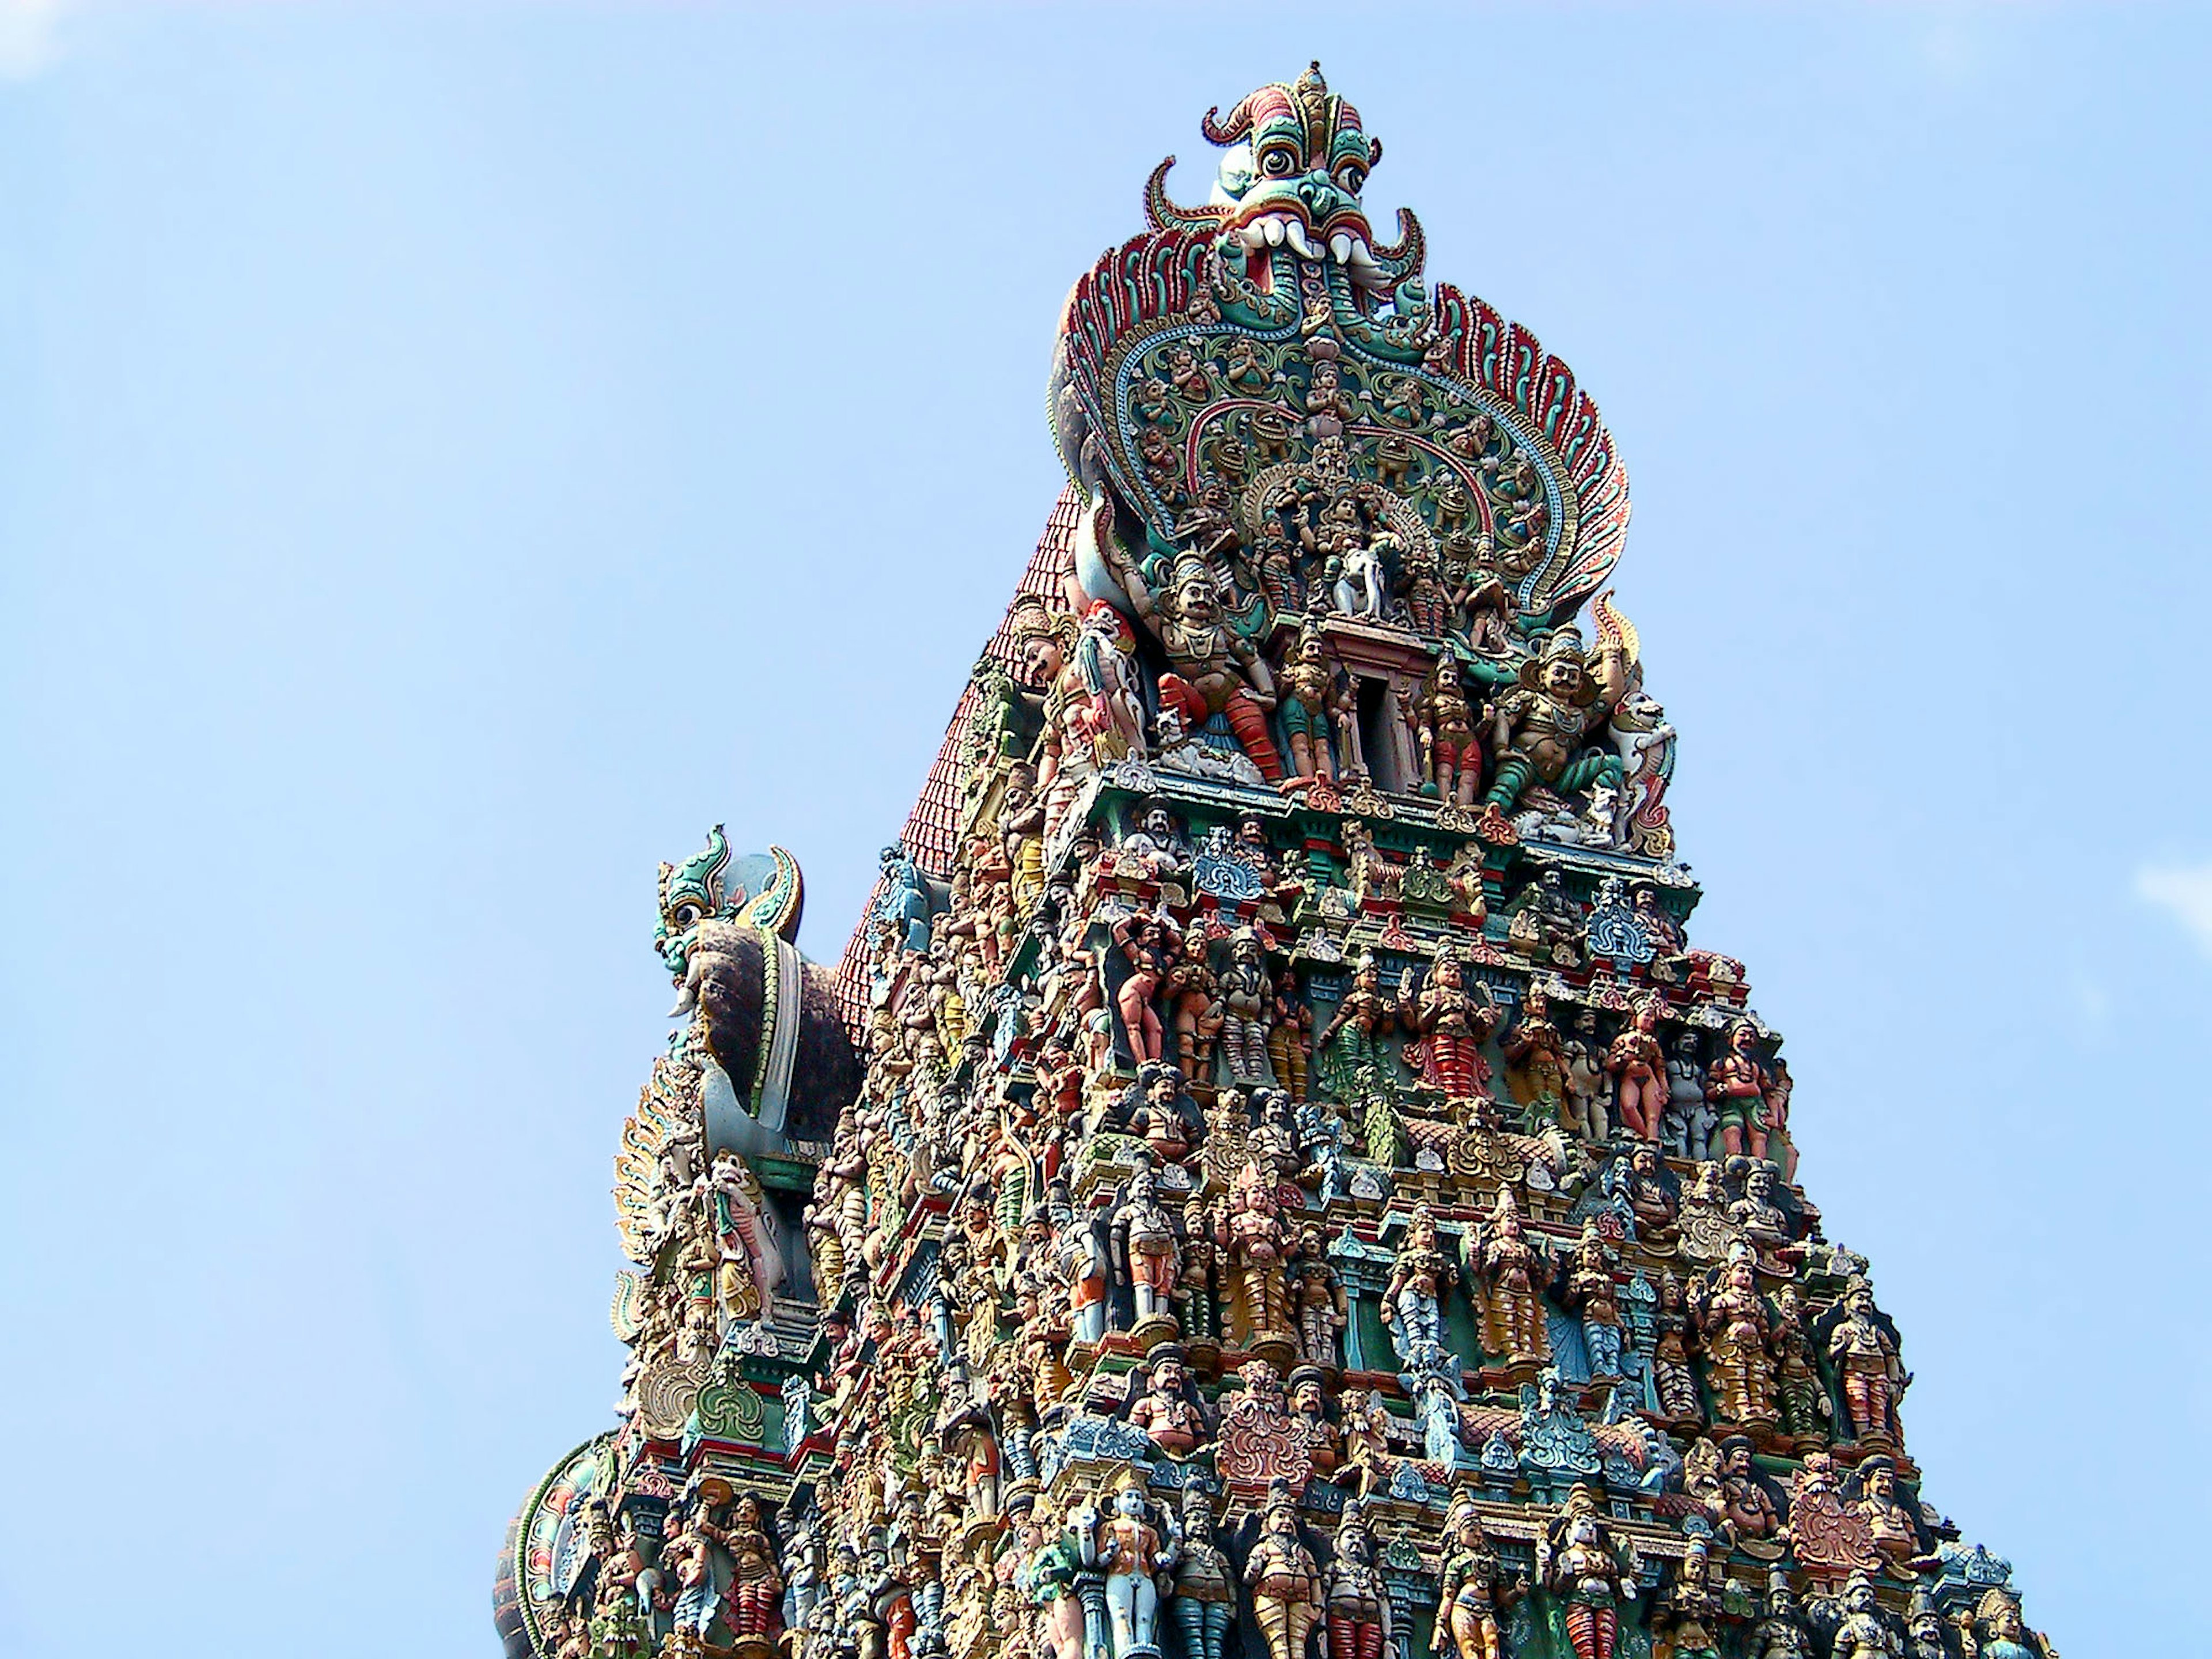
(451, 455)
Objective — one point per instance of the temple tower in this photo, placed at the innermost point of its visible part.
(1275, 1172)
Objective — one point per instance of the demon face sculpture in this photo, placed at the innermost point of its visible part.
(1294, 162)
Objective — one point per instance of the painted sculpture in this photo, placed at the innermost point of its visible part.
(1273, 1174)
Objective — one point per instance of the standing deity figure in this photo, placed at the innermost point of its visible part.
(1585, 1109)
(1864, 1633)
(1537, 1058)
(1452, 1023)
(1128, 1550)
(1472, 1598)
(1589, 1573)
(688, 1556)
(1353, 1597)
(1539, 727)
(755, 1592)
(1512, 1272)
(1782, 1632)
(1197, 1302)
(1316, 1290)
(1690, 1118)
(1197, 997)
(1283, 1579)
(1353, 1062)
(1672, 1378)
(1867, 1363)
(1733, 1325)
(1050, 1562)
(1769, 1136)
(1445, 720)
(1248, 1004)
(1805, 1405)
(1736, 1085)
(1639, 1067)
(1290, 1036)
(1689, 1610)
(1212, 669)
(1140, 938)
(1412, 1301)
(1204, 1604)
(1251, 1231)
(1321, 1147)
(1146, 1256)
(1316, 709)
(1085, 1270)
(752, 1264)
(1591, 1293)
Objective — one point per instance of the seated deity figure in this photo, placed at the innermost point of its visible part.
(1540, 729)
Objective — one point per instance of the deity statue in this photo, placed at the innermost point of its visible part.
(1690, 1119)
(1196, 995)
(1535, 1057)
(1445, 720)
(1512, 1273)
(1889, 1520)
(1170, 1412)
(1782, 1632)
(1159, 1111)
(1452, 1025)
(1351, 1047)
(1250, 1230)
(1472, 1595)
(1865, 1356)
(1865, 1631)
(1737, 1087)
(1291, 1036)
(1590, 1292)
(1204, 1604)
(1639, 1067)
(1049, 1561)
(1198, 1303)
(1146, 1257)
(1283, 1579)
(1672, 1379)
(1316, 1292)
(1141, 939)
(754, 1599)
(1805, 1408)
(1732, 1320)
(1213, 668)
(1545, 922)
(1128, 1550)
(1539, 726)
(1589, 1573)
(1689, 1610)
(1316, 709)
(1248, 1006)
(1585, 1109)
(1412, 1301)
(1353, 1597)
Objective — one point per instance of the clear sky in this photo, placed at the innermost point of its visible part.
(450, 456)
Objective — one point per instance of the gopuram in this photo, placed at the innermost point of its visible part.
(1271, 1176)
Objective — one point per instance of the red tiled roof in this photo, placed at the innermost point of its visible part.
(933, 824)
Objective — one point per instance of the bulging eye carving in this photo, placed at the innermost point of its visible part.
(1351, 176)
(1278, 163)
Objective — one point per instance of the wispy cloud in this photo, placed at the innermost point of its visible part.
(30, 38)
(2185, 892)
